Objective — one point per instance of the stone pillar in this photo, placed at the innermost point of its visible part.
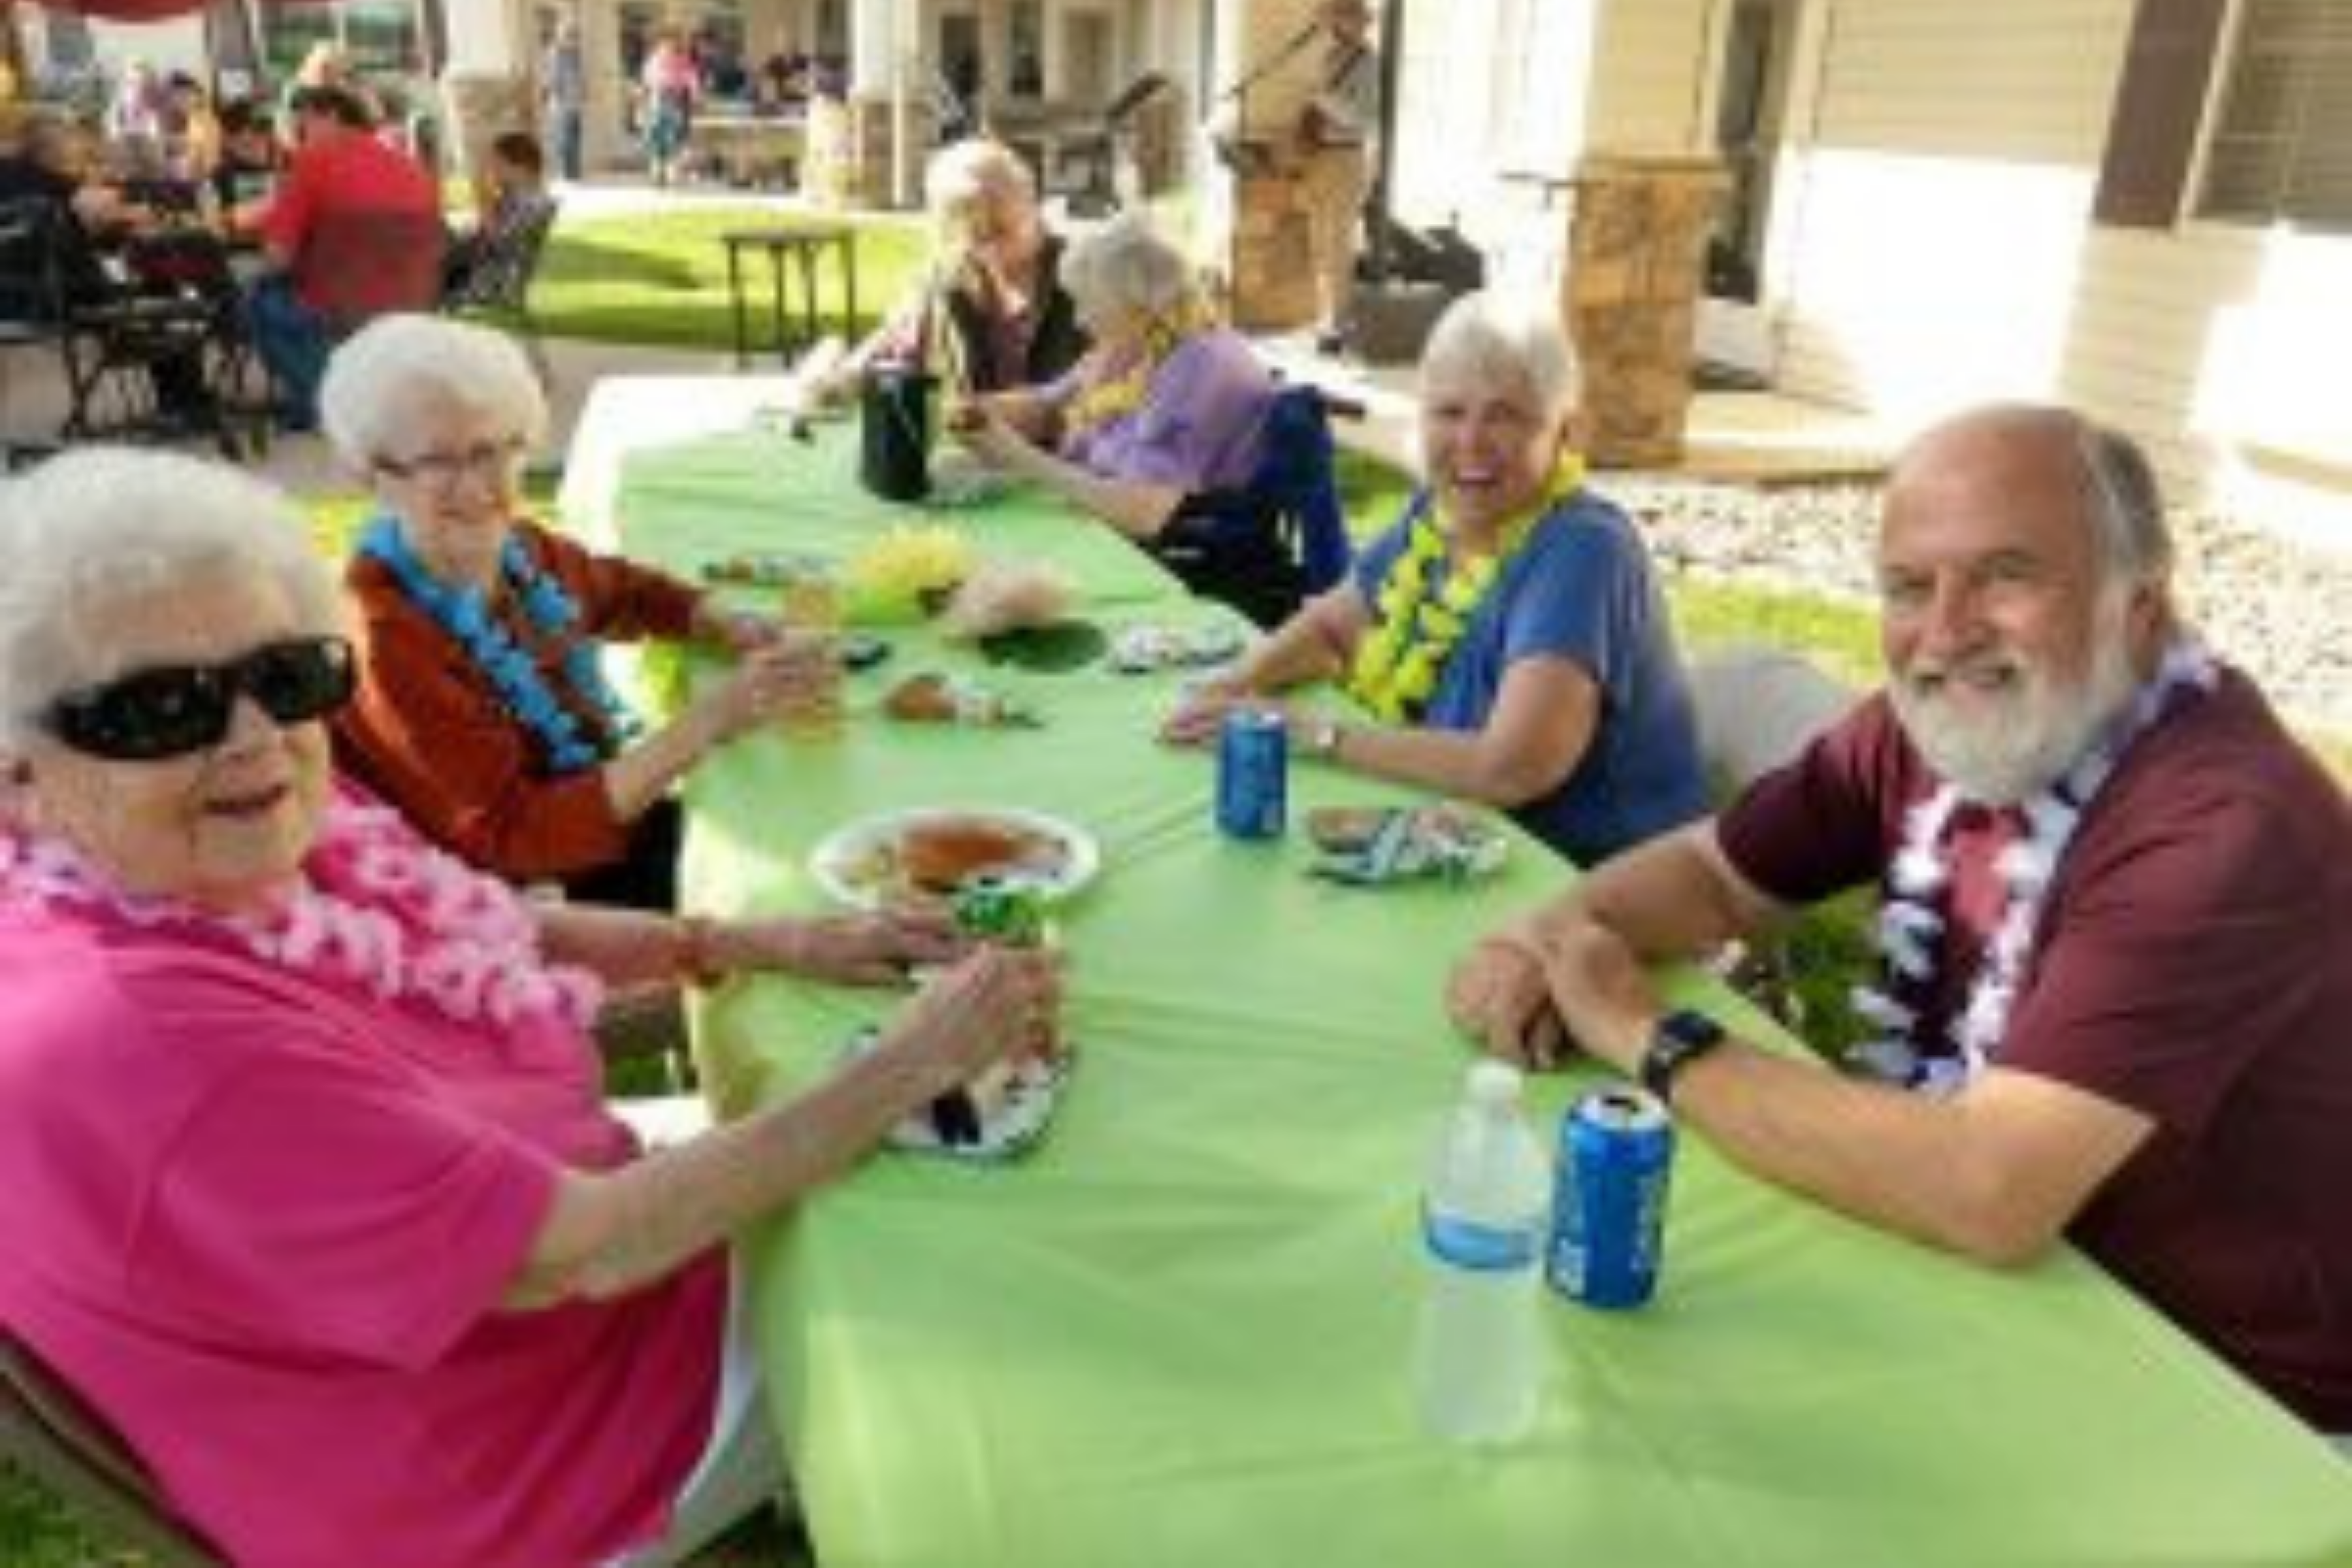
(1636, 255)
(848, 162)
(1271, 286)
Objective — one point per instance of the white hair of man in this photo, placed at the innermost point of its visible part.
(961, 176)
(399, 369)
(1497, 338)
(1129, 263)
(98, 527)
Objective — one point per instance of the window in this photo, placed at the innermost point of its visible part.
(2280, 146)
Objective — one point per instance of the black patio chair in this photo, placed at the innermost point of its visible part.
(1267, 546)
(30, 313)
(495, 289)
(49, 1433)
(116, 341)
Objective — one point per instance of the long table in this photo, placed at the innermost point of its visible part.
(1178, 1332)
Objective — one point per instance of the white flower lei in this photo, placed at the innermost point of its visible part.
(1911, 922)
(376, 907)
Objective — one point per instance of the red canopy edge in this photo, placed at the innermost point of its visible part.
(144, 10)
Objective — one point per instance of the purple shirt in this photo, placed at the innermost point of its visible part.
(1201, 426)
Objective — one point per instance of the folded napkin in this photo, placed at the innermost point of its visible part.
(1367, 846)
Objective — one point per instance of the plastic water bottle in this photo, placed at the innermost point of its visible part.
(1479, 1364)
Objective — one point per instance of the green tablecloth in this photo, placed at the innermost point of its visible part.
(1179, 1332)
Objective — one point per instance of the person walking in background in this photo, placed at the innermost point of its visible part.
(1335, 132)
(672, 84)
(563, 97)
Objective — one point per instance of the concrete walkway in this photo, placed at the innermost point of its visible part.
(1753, 437)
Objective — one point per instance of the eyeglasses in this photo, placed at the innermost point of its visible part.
(493, 460)
(171, 710)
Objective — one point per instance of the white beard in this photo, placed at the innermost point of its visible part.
(2002, 748)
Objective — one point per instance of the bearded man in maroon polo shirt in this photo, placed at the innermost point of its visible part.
(2116, 921)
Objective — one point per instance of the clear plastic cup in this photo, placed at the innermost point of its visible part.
(810, 605)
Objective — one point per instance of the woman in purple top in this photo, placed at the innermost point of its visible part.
(1169, 402)
(308, 1180)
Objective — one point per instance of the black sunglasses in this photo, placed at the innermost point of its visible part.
(148, 715)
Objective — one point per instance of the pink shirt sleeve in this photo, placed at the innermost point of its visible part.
(336, 1210)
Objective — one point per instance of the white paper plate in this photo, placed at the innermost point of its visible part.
(856, 865)
(1010, 1131)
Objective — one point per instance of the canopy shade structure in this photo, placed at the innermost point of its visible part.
(144, 10)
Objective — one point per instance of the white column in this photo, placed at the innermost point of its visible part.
(486, 38)
(872, 43)
(605, 113)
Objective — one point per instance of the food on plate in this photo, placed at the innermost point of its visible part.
(936, 856)
(925, 699)
(931, 697)
(961, 1116)
(1342, 829)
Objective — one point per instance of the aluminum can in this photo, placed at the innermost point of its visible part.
(1609, 1207)
(1007, 910)
(1253, 773)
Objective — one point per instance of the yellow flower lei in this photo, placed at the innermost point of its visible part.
(1396, 666)
(1122, 391)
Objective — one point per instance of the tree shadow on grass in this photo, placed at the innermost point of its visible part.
(573, 259)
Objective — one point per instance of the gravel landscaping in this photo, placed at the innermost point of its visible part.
(2277, 609)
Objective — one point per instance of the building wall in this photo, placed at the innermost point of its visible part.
(1648, 80)
(1933, 244)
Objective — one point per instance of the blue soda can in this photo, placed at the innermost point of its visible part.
(1253, 773)
(1609, 1209)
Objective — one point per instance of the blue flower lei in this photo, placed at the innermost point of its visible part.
(464, 614)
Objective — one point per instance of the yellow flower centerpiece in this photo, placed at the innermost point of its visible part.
(906, 574)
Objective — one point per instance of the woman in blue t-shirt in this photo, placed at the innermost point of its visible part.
(1504, 639)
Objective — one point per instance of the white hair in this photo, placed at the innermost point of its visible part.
(1127, 262)
(960, 176)
(399, 369)
(1494, 338)
(2122, 502)
(97, 527)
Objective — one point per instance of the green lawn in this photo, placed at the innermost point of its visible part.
(660, 279)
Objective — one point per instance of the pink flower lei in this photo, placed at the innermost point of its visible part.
(376, 908)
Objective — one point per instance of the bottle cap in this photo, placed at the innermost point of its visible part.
(1492, 1084)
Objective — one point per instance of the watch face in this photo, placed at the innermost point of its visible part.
(1682, 1037)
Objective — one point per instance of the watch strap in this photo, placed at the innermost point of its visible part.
(1680, 1038)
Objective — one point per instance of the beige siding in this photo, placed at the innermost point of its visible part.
(1649, 65)
(1939, 250)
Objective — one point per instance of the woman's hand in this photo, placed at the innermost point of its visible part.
(997, 1001)
(877, 949)
(797, 676)
(986, 434)
(1202, 714)
(738, 631)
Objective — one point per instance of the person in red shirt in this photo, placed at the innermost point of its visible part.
(2116, 921)
(482, 711)
(352, 232)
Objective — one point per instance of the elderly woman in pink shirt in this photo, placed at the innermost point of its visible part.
(1169, 402)
(307, 1178)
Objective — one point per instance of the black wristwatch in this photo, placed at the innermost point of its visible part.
(1681, 1037)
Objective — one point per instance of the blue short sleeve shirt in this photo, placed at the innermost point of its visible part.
(1582, 589)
